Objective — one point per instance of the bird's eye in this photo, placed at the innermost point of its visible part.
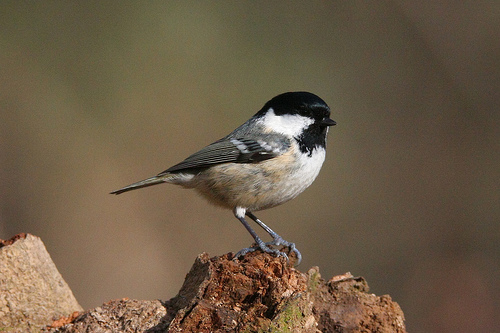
(304, 111)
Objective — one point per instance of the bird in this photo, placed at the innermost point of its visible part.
(268, 160)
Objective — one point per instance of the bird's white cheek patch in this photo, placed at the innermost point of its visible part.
(287, 124)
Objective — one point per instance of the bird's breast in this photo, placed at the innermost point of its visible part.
(261, 185)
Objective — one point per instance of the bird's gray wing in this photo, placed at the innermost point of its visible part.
(237, 150)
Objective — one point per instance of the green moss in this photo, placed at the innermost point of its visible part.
(290, 317)
(314, 280)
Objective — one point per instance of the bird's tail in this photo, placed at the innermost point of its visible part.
(143, 183)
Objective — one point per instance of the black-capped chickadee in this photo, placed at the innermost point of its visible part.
(267, 161)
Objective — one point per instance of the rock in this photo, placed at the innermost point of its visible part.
(32, 291)
(259, 293)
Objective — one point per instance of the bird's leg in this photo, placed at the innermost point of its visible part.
(240, 215)
(277, 239)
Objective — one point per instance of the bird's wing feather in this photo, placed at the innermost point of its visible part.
(227, 150)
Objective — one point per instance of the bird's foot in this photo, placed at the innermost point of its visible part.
(277, 241)
(265, 247)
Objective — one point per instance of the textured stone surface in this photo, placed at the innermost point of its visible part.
(259, 293)
(32, 292)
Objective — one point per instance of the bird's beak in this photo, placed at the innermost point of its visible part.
(328, 122)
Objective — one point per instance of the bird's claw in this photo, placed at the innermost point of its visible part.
(264, 247)
(278, 240)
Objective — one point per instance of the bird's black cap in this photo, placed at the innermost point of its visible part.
(297, 102)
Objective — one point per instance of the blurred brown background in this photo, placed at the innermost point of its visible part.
(96, 95)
